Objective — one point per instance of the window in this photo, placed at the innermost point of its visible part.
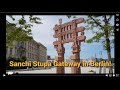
(32, 56)
(10, 51)
(6, 50)
(22, 44)
(28, 55)
(25, 44)
(29, 49)
(17, 52)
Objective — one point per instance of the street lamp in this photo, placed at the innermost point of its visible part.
(100, 69)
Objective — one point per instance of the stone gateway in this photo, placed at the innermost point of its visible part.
(65, 33)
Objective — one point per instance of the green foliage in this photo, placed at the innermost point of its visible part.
(93, 22)
(17, 34)
(104, 32)
(95, 38)
(22, 21)
(102, 23)
(23, 58)
(35, 20)
(113, 60)
(20, 31)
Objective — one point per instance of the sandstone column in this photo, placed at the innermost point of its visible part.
(75, 57)
(60, 50)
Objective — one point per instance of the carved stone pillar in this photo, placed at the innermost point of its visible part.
(75, 57)
(68, 32)
(61, 51)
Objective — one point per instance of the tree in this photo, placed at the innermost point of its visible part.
(23, 58)
(20, 30)
(103, 32)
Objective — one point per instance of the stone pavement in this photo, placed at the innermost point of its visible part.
(84, 70)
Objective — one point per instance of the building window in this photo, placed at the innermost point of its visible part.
(17, 53)
(25, 44)
(30, 55)
(10, 51)
(28, 48)
(6, 50)
(33, 56)
(22, 44)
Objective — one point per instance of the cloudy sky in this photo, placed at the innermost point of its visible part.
(43, 33)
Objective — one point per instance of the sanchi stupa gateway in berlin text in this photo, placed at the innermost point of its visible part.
(69, 32)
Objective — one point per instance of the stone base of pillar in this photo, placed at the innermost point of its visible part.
(75, 70)
(60, 70)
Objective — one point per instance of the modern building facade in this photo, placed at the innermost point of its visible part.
(32, 50)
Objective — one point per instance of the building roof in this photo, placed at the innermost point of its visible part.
(42, 45)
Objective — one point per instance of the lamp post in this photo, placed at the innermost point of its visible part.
(100, 68)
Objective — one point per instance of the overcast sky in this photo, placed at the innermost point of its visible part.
(43, 33)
